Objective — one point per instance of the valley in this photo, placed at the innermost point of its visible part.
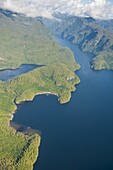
(54, 64)
(93, 36)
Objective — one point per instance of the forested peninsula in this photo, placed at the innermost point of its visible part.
(25, 40)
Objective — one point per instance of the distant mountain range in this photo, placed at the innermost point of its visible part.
(94, 36)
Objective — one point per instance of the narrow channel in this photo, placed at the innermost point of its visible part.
(8, 74)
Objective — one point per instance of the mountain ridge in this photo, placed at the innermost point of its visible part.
(94, 36)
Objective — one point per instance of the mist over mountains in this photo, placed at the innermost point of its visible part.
(99, 9)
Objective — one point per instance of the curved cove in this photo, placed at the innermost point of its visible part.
(77, 135)
(8, 74)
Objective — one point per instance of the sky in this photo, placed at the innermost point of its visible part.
(98, 9)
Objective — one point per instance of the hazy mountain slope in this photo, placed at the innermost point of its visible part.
(91, 35)
(21, 41)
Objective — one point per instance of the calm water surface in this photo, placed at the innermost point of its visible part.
(8, 74)
(77, 135)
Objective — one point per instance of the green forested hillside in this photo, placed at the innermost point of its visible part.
(25, 40)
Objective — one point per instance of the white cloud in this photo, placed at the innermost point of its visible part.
(101, 9)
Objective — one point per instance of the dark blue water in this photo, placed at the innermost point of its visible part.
(77, 135)
(8, 74)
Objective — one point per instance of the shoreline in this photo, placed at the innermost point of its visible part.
(27, 100)
(14, 112)
(40, 93)
(31, 98)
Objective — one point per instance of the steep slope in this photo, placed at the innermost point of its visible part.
(94, 36)
(26, 40)
(21, 40)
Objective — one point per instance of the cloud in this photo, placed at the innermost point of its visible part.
(101, 9)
